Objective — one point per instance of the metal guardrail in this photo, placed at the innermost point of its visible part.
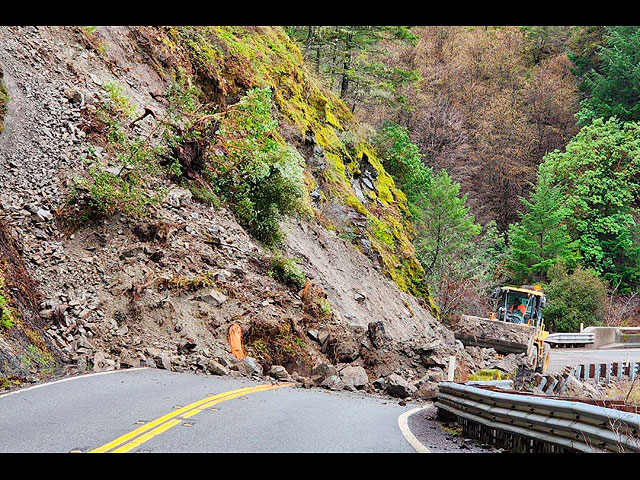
(604, 372)
(569, 425)
(571, 338)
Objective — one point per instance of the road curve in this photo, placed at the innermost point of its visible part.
(85, 413)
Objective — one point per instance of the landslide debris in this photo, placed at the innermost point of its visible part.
(142, 260)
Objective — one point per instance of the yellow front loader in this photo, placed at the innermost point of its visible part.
(515, 326)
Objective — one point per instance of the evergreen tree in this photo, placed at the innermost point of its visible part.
(599, 176)
(352, 60)
(457, 261)
(541, 238)
(614, 88)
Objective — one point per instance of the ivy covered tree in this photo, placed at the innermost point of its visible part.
(541, 238)
(352, 60)
(614, 85)
(599, 177)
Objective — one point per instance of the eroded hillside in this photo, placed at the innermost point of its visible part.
(164, 181)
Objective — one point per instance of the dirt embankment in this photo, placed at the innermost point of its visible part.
(163, 291)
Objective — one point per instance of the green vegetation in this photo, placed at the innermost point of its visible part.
(351, 59)
(121, 106)
(541, 239)
(260, 175)
(447, 241)
(575, 298)
(7, 317)
(4, 99)
(613, 83)
(489, 375)
(287, 271)
(120, 185)
(599, 177)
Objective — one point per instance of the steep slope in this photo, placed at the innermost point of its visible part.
(137, 263)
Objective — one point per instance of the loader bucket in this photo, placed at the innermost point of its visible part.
(504, 337)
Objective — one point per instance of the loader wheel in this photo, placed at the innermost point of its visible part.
(545, 360)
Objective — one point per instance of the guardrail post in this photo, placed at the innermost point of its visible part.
(596, 375)
(620, 367)
(632, 371)
(607, 374)
(452, 368)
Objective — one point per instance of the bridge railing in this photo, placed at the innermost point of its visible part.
(605, 372)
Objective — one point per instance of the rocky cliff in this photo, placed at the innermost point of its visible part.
(125, 179)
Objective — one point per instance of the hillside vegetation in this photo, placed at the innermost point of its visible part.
(188, 180)
(535, 124)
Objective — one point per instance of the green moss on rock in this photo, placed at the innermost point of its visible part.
(226, 61)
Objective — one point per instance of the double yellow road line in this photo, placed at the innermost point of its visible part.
(133, 439)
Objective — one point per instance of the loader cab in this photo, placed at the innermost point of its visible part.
(519, 305)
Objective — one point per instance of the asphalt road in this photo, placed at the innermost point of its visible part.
(580, 356)
(86, 413)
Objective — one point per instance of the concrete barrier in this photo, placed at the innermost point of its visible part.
(611, 335)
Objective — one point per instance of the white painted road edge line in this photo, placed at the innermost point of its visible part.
(403, 423)
(68, 379)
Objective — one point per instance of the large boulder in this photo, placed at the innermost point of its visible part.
(322, 371)
(399, 387)
(249, 366)
(215, 368)
(278, 372)
(354, 377)
(334, 383)
(427, 391)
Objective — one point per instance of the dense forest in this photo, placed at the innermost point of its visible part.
(518, 148)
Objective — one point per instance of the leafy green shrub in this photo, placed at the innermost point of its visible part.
(260, 175)
(120, 102)
(599, 177)
(287, 271)
(574, 298)
(121, 187)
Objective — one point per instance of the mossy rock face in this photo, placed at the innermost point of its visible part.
(23, 348)
(226, 61)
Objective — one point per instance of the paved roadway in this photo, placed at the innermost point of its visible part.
(86, 413)
(581, 356)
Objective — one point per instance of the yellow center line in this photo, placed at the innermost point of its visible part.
(195, 411)
(160, 420)
(168, 421)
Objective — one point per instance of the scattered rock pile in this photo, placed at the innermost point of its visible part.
(163, 292)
